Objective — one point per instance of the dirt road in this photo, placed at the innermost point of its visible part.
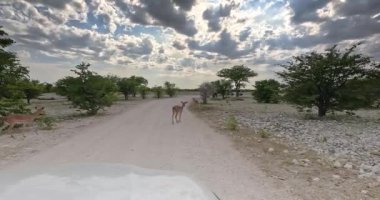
(144, 136)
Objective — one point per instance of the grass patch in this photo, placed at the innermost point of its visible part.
(264, 133)
(46, 123)
(232, 123)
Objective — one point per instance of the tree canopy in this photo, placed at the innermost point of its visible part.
(239, 74)
(328, 80)
(267, 91)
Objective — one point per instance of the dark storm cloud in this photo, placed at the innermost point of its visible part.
(162, 13)
(179, 45)
(214, 15)
(306, 10)
(224, 46)
(243, 35)
(185, 4)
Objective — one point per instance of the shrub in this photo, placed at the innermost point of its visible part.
(267, 91)
(206, 89)
(157, 90)
(232, 123)
(263, 133)
(46, 123)
(170, 88)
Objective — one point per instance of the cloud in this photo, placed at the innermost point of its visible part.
(167, 15)
(224, 46)
(306, 11)
(244, 34)
(185, 4)
(214, 15)
(179, 45)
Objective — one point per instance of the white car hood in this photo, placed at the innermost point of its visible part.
(99, 182)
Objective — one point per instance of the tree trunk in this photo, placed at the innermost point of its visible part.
(237, 89)
(28, 100)
(322, 111)
(125, 96)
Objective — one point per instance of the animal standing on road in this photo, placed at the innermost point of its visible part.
(177, 111)
(12, 119)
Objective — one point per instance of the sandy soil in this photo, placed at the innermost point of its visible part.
(144, 136)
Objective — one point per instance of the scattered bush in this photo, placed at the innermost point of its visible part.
(206, 89)
(157, 90)
(267, 91)
(170, 88)
(46, 123)
(232, 123)
(263, 133)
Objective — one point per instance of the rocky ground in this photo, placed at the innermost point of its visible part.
(327, 150)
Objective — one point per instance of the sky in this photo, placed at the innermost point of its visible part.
(182, 41)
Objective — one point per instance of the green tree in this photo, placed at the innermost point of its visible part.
(138, 81)
(170, 88)
(11, 70)
(62, 86)
(206, 89)
(143, 90)
(48, 87)
(30, 88)
(126, 87)
(238, 74)
(89, 91)
(267, 91)
(157, 90)
(325, 79)
(222, 87)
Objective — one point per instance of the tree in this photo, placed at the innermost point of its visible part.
(237, 74)
(222, 87)
(157, 90)
(138, 81)
(206, 89)
(62, 86)
(47, 87)
(143, 90)
(126, 86)
(11, 70)
(88, 91)
(31, 89)
(170, 88)
(322, 79)
(267, 91)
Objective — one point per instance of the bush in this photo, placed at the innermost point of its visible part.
(232, 123)
(170, 88)
(157, 90)
(88, 91)
(206, 89)
(267, 91)
(13, 106)
(263, 133)
(46, 123)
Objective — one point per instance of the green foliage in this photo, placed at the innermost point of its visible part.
(88, 91)
(143, 90)
(263, 133)
(170, 88)
(157, 90)
(11, 72)
(13, 106)
(47, 87)
(329, 80)
(206, 89)
(267, 91)
(130, 86)
(237, 74)
(222, 87)
(30, 88)
(46, 123)
(232, 123)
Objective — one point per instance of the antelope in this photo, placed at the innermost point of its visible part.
(12, 119)
(195, 101)
(177, 111)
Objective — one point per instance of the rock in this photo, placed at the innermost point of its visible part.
(285, 151)
(335, 176)
(376, 170)
(365, 169)
(316, 179)
(270, 150)
(337, 164)
(348, 165)
(364, 191)
(295, 161)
